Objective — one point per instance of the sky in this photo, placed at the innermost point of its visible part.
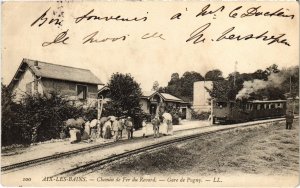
(147, 60)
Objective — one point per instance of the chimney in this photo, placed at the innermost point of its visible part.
(36, 65)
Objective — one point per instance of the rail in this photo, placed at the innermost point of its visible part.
(46, 159)
(105, 161)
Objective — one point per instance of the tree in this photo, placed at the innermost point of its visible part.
(174, 85)
(214, 75)
(7, 115)
(174, 77)
(220, 90)
(260, 74)
(187, 84)
(125, 94)
(182, 87)
(272, 69)
(155, 86)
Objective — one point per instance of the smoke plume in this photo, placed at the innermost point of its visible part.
(275, 80)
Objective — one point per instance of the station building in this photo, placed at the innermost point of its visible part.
(35, 77)
(153, 102)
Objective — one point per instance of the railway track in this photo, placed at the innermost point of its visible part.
(100, 163)
(46, 159)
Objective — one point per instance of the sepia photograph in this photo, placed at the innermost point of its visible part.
(150, 93)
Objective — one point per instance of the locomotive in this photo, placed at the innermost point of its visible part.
(242, 111)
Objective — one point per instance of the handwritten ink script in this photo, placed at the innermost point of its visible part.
(197, 35)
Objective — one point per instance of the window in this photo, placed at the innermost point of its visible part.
(258, 107)
(29, 88)
(81, 92)
(265, 106)
(279, 105)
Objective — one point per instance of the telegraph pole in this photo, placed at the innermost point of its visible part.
(234, 76)
(211, 112)
(293, 97)
(100, 107)
(291, 85)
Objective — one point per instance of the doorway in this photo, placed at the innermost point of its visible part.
(153, 108)
(183, 112)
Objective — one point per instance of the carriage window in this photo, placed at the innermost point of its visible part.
(272, 106)
(221, 104)
(258, 107)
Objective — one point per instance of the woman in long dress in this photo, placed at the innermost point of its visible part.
(163, 127)
(144, 129)
(168, 122)
(107, 130)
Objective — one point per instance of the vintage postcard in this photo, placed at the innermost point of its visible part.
(150, 93)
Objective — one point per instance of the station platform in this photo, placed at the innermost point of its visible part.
(20, 154)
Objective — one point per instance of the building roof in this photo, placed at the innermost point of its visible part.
(59, 72)
(268, 101)
(165, 96)
(170, 97)
(148, 93)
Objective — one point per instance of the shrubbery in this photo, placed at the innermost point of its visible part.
(41, 117)
(37, 118)
(200, 116)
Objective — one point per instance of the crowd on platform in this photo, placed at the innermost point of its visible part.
(112, 127)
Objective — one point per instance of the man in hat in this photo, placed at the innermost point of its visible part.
(116, 127)
(100, 126)
(121, 126)
(129, 127)
(107, 129)
(156, 122)
(289, 120)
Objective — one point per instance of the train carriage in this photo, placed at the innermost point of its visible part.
(241, 111)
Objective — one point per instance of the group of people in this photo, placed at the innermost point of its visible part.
(161, 124)
(113, 127)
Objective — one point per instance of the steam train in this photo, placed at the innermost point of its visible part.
(242, 111)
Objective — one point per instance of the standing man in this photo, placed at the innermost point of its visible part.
(289, 119)
(115, 129)
(156, 122)
(121, 126)
(129, 128)
(100, 126)
(107, 129)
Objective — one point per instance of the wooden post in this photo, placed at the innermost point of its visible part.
(293, 105)
(211, 112)
(100, 107)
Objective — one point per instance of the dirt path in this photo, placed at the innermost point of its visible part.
(263, 150)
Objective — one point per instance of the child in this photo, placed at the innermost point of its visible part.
(144, 129)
